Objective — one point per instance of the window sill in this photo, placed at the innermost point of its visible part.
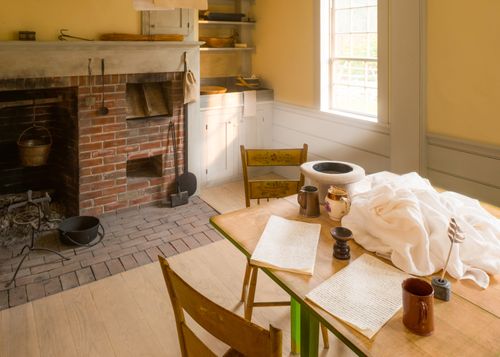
(350, 116)
(355, 120)
(333, 117)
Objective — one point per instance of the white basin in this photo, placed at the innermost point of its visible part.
(323, 174)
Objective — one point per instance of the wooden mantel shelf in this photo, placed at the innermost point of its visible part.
(101, 45)
(38, 59)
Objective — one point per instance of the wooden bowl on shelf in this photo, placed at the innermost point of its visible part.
(212, 90)
(218, 42)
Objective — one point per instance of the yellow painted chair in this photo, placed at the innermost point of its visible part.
(265, 189)
(244, 337)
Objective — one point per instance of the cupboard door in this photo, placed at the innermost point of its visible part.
(220, 145)
(265, 125)
(175, 21)
(248, 136)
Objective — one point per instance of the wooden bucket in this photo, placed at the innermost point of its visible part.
(34, 152)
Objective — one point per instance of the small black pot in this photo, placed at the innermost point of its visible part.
(81, 230)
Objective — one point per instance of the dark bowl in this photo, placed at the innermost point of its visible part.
(79, 229)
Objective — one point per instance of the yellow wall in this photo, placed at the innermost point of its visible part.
(284, 58)
(84, 18)
(464, 69)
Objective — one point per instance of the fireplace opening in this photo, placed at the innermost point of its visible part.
(148, 100)
(54, 112)
(145, 167)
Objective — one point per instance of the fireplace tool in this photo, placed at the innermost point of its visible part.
(180, 197)
(103, 110)
(32, 216)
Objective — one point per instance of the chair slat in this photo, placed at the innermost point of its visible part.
(273, 188)
(274, 157)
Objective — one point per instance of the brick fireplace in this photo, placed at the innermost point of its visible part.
(104, 145)
(99, 163)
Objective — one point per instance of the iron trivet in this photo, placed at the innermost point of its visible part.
(32, 218)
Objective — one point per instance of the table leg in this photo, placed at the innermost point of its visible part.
(295, 325)
(309, 333)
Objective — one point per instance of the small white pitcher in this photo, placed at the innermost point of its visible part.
(337, 203)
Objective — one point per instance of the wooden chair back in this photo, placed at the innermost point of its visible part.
(269, 188)
(244, 337)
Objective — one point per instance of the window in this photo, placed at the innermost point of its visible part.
(351, 48)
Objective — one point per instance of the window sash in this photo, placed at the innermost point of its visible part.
(370, 107)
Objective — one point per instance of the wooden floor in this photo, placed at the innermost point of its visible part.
(130, 314)
(230, 196)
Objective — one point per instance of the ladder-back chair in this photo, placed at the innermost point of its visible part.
(244, 337)
(271, 188)
(265, 189)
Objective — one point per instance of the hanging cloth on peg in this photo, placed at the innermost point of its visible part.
(190, 87)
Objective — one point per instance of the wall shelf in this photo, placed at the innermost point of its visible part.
(237, 23)
(225, 49)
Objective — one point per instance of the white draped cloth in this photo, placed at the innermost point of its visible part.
(404, 219)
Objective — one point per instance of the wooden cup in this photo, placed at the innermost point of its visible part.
(418, 306)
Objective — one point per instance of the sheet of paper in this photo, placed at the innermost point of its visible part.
(287, 245)
(365, 294)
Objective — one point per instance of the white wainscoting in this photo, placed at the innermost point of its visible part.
(331, 138)
(466, 167)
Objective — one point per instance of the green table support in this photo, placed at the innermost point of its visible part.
(304, 330)
(295, 325)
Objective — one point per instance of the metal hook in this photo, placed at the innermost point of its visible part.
(63, 36)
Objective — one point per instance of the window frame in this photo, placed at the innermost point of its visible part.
(327, 26)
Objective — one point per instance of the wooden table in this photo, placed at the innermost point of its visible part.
(469, 324)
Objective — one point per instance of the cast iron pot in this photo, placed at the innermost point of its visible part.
(81, 230)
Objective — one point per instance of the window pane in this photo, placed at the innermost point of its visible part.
(357, 100)
(359, 20)
(342, 21)
(342, 4)
(355, 73)
(372, 19)
(359, 3)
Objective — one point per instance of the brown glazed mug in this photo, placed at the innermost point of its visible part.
(308, 200)
(418, 306)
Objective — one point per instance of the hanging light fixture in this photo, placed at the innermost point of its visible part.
(152, 5)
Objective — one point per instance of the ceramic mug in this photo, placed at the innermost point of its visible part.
(309, 201)
(337, 203)
(418, 306)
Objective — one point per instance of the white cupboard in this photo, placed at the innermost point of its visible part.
(225, 129)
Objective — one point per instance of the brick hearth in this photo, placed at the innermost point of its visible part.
(133, 237)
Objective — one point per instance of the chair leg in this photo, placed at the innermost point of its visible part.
(324, 334)
(251, 293)
(246, 279)
(248, 297)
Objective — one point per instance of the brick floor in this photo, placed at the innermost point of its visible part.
(134, 237)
